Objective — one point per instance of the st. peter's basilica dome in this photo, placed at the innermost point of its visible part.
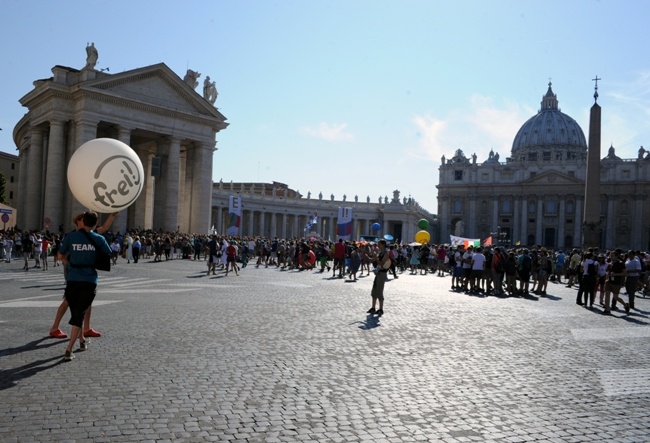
(549, 129)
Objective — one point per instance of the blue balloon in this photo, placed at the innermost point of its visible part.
(376, 226)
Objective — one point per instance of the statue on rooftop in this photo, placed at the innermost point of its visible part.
(210, 90)
(91, 56)
(192, 78)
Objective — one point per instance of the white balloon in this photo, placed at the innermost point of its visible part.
(105, 175)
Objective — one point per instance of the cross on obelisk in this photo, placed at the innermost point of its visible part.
(596, 87)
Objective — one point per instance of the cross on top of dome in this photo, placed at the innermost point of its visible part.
(549, 101)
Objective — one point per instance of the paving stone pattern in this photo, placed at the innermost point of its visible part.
(274, 356)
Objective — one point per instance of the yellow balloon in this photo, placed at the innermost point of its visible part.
(422, 237)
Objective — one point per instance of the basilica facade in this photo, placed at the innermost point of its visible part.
(535, 196)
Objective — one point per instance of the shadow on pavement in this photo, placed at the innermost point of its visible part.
(371, 322)
(31, 346)
(10, 377)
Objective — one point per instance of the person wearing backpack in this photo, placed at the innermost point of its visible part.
(588, 282)
(524, 268)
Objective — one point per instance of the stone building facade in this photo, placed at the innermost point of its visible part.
(173, 129)
(275, 210)
(10, 168)
(536, 196)
(170, 126)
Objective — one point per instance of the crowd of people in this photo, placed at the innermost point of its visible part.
(600, 277)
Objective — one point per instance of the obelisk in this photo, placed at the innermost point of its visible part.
(591, 225)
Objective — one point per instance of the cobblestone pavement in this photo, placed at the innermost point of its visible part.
(273, 356)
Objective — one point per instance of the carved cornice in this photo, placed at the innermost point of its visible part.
(152, 109)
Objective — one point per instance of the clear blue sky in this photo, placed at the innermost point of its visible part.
(355, 97)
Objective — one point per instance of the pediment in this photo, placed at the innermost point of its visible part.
(155, 85)
(552, 178)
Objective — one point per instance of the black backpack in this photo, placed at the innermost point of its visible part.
(592, 269)
(526, 263)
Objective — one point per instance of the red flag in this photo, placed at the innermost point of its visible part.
(487, 241)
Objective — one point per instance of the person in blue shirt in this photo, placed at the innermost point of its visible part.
(77, 253)
(55, 332)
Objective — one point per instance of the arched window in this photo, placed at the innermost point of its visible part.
(457, 206)
(532, 207)
(483, 206)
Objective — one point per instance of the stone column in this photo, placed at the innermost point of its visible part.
(524, 221)
(84, 130)
(495, 215)
(274, 225)
(562, 222)
(172, 178)
(55, 174)
(577, 230)
(136, 214)
(445, 219)
(34, 178)
(284, 225)
(251, 224)
(471, 229)
(295, 226)
(610, 234)
(262, 230)
(517, 216)
(539, 221)
(24, 156)
(200, 219)
(120, 222)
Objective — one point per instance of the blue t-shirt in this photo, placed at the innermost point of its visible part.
(81, 252)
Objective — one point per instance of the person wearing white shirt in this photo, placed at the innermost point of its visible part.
(478, 269)
(633, 267)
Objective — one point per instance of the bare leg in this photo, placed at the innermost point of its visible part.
(60, 312)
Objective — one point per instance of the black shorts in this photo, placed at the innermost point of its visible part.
(230, 259)
(80, 296)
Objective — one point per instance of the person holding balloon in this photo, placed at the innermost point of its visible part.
(77, 253)
(382, 261)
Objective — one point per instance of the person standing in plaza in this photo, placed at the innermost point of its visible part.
(37, 241)
(55, 331)
(211, 248)
(339, 258)
(78, 253)
(382, 261)
(633, 266)
(135, 248)
(231, 258)
(588, 282)
(615, 279)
